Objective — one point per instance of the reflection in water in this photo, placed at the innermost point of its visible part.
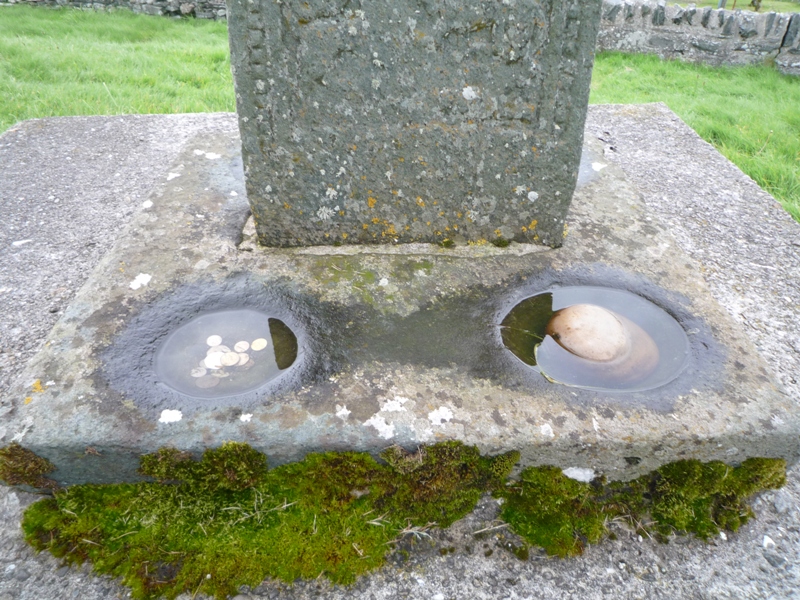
(637, 346)
(225, 353)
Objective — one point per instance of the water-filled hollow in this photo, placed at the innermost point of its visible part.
(658, 353)
(225, 353)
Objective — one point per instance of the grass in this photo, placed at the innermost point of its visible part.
(781, 6)
(68, 62)
(750, 114)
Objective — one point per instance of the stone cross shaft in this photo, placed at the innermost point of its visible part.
(411, 120)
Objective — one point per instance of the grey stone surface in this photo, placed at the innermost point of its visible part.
(709, 207)
(411, 121)
(399, 344)
(717, 37)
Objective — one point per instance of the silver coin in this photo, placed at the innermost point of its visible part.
(220, 374)
(219, 348)
(243, 358)
(258, 344)
(206, 381)
(229, 359)
(214, 340)
(198, 372)
(241, 346)
(213, 361)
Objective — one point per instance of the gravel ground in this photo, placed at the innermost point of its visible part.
(71, 198)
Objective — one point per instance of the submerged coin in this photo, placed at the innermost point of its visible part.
(198, 372)
(241, 346)
(229, 359)
(218, 348)
(212, 361)
(243, 358)
(220, 374)
(206, 381)
(214, 340)
(248, 365)
(259, 344)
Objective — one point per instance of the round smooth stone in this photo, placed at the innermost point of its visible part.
(241, 346)
(214, 340)
(591, 332)
(207, 381)
(213, 361)
(258, 344)
(229, 359)
(198, 372)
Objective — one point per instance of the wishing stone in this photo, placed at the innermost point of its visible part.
(412, 120)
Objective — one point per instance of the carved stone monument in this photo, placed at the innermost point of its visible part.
(411, 120)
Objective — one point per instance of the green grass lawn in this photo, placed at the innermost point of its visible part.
(68, 62)
(785, 6)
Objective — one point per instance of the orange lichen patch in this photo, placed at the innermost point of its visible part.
(286, 205)
(459, 215)
(354, 148)
(37, 386)
(376, 220)
(455, 227)
(533, 224)
(441, 213)
(365, 226)
(344, 236)
(420, 201)
(395, 192)
(371, 202)
(427, 222)
(341, 212)
(498, 232)
(28, 400)
(391, 230)
(401, 159)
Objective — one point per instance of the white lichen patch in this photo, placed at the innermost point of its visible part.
(580, 474)
(598, 166)
(519, 190)
(170, 416)
(147, 204)
(440, 416)
(325, 213)
(469, 93)
(383, 282)
(384, 429)
(547, 430)
(171, 176)
(395, 405)
(245, 418)
(533, 196)
(342, 412)
(140, 280)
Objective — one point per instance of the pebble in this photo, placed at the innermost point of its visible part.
(776, 560)
(62, 571)
(22, 574)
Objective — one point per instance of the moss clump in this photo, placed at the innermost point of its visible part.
(227, 516)
(20, 466)
(563, 515)
(501, 242)
(447, 243)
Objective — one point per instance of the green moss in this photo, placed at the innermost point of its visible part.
(562, 515)
(501, 242)
(447, 243)
(20, 466)
(228, 516)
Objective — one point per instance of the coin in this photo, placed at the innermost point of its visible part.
(206, 381)
(198, 372)
(243, 358)
(213, 361)
(248, 365)
(241, 346)
(219, 348)
(229, 359)
(220, 374)
(259, 344)
(214, 340)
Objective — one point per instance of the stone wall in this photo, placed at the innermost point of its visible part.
(202, 9)
(717, 37)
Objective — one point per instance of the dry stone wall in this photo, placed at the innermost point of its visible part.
(202, 9)
(717, 37)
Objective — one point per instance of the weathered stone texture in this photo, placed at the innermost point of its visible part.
(717, 37)
(415, 120)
